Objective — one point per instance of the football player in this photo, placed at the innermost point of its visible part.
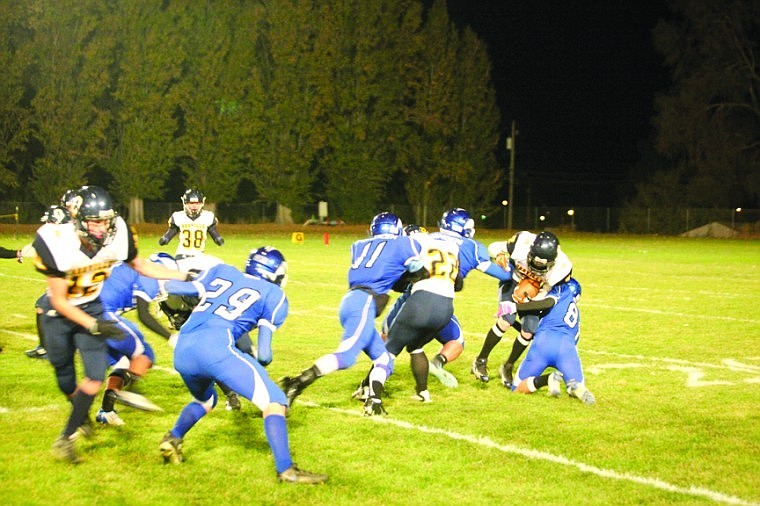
(457, 225)
(132, 357)
(554, 344)
(77, 257)
(425, 313)
(59, 213)
(177, 309)
(377, 263)
(194, 225)
(232, 303)
(535, 256)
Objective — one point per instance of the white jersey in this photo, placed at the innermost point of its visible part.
(60, 254)
(522, 242)
(440, 256)
(192, 232)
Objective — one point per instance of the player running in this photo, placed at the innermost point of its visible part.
(232, 303)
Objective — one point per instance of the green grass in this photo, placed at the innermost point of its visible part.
(670, 343)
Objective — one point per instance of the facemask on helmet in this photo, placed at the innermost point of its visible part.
(457, 222)
(95, 216)
(193, 201)
(268, 263)
(386, 223)
(543, 252)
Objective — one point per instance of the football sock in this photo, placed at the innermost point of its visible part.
(365, 380)
(517, 349)
(80, 409)
(40, 331)
(440, 360)
(492, 339)
(109, 397)
(309, 376)
(189, 416)
(277, 435)
(541, 381)
(224, 388)
(377, 388)
(420, 369)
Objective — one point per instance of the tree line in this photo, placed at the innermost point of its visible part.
(705, 151)
(289, 101)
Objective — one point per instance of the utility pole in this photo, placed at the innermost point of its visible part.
(511, 147)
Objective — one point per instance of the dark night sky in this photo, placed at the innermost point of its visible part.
(579, 78)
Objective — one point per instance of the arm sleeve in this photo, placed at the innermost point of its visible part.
(264, 342)
(497, 272)
(214, 233)
(147, 318)
(169, 234)
(8, 253)
(536, 306)
(192, 288)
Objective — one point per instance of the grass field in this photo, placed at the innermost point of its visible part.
(670, 344)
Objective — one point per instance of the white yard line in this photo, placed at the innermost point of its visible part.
(549, 457)
(632, 309)
(512, 449)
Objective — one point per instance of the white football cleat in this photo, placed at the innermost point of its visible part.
(555, 384)
(444, 376)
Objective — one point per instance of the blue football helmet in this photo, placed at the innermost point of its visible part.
(93, 203)
(193, 196)
(386, 223)
(574, 287)
(267, 263)
(543, 252)
(164, 259)
(457, 221)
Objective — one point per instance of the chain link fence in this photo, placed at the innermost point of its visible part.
(744, 222)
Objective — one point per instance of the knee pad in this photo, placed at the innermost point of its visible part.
(66, 378)
(385, 362)
(209, 403)
(530, 324)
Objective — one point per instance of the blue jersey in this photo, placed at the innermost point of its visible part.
(123, 285)
(554, 343)
(378, 262)
(564, 319)
(235, 301)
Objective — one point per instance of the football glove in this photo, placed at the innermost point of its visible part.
(506, 308)
(106, 329)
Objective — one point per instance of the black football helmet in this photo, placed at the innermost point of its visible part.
(93, 203)
(193, 196)
(57, 215)
(543, 252)
(413, 228)
(69, 202)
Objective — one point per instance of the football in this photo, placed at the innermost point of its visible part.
(526, 290)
